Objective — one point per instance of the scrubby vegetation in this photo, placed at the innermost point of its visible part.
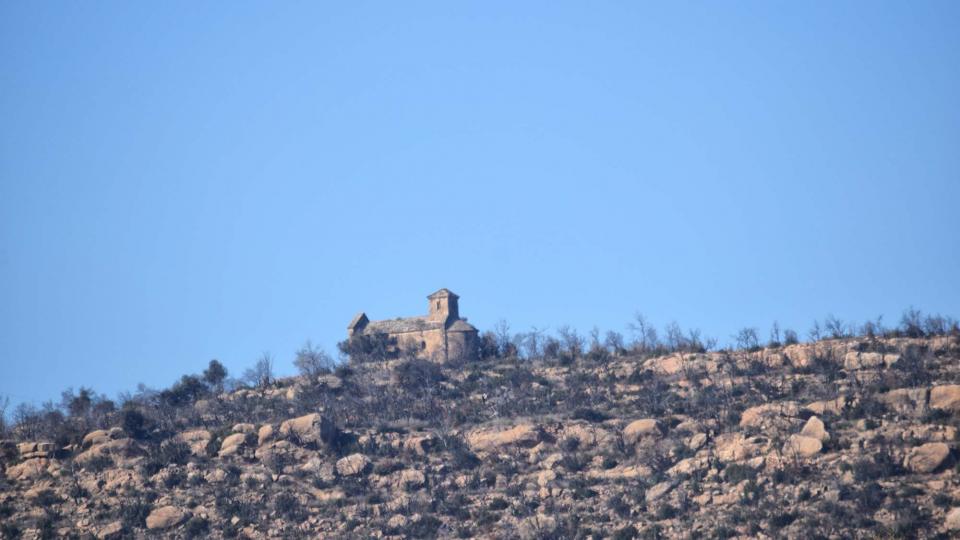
(852, 434)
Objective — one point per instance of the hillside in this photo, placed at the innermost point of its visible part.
(842, 438)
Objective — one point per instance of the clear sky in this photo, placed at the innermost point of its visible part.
(181, 181)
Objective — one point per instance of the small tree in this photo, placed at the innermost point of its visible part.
(312, 361)
(215, 374)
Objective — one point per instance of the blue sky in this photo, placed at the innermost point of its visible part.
(199, 180)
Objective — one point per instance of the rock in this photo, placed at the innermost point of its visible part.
(769, 415)
(736, 447)
(696, 441)
(397, 521)
(264, 434)
(665, 365)
(232, 444)
(804, 446)
(621, 472)
(906, 401)
(927, 458)
(659, 490)
(94, 438)
(330, 381)
(353, 465)
(535, 525)
(946, 397)
(243, 428)
(868, 360)
(166, 517)
(410, 479)
(588, 435)
(638, 429)
(952, 521)
(117, 449)
(196, 439)
(419, 444)
(29, 469)
(111, 531)
(830, 406)
(26, 448)
(546, 478)
(486, 439)
(815, 428)
(308, 428)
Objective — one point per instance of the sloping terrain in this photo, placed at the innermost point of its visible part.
(851, 438)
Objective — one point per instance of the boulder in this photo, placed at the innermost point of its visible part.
(659, 490)
(196, 439)
(815, 428)
(94, 438)
(869, 360)
(778, 414)
(487, 439)
(166, 517)
(232, 444)
(697, 441)
(111, 530)
(353, 465)
(804, 446)
(830, 406)
(264, 434)
(638, 429)
(665, 365)
(409, 479)
(308, 428)
(419, 444)
(952, 520)
(906, 401)
(243, 428)
(737, 447)
(945, 397)
(927, 458)
(29, 469)
(330, 381)
(116, 449)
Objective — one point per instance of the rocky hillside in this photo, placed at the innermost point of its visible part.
(849, 438)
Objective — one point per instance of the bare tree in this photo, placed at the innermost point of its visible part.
(505, 343)
(533, 343)
(835, 327)
(675, 337)
(313, 361)
(775, 335)
(815, 332)
(747, 339)
(614, 342)
(261, 374)
(644, 334)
